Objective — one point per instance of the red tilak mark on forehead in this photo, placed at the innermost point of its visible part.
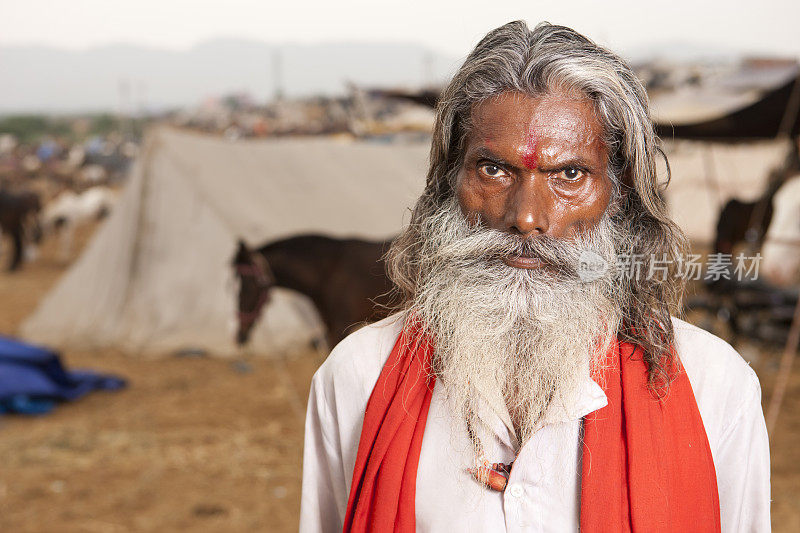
(529, 157)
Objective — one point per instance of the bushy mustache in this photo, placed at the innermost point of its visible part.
(479, 243)
(528, 335)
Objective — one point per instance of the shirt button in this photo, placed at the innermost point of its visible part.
(515, 490)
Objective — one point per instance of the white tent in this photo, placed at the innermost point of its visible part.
(157, 278)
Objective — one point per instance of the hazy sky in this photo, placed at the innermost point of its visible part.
(450, 26)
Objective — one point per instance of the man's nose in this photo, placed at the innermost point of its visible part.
(528, 209)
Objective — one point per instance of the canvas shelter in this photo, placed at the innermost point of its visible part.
(765, 105)
(705, 175)
(156, 277)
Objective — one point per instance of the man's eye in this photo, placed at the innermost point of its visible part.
(571, 174)
(493, 171)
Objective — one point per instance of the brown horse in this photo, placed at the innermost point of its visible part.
(345, 279)
(18, 213)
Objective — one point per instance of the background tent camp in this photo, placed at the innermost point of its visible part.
(157, 276)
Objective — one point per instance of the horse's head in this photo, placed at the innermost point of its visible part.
(255, 281)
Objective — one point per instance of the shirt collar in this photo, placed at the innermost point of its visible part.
(591, 397)
(494, 414)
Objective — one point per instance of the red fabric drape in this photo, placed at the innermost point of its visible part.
(647, 464)
(385, 475)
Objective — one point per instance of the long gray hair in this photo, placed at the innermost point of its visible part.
(556, 58)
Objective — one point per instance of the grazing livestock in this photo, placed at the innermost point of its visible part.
(345, 279)
(18, 213)
(70, 210)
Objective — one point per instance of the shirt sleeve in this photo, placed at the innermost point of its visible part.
(324, 494)
(743, 483)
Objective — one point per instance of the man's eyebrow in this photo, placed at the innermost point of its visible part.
(572, 161)
(484, 152)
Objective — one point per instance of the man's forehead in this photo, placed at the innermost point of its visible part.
(515, 114)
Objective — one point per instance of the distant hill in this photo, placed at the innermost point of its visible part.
(44, 79)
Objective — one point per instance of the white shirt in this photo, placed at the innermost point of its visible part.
(543, 492)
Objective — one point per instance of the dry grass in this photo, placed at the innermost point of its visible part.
(198, 444)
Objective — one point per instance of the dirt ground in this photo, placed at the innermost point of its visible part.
(200, 444)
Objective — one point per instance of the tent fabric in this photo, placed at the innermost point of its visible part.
(705, 175)
(763, 116)
(156, 277)
(32, 378)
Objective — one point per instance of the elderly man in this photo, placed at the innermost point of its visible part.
(533, 381)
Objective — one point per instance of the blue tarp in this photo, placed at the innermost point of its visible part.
(32, 379)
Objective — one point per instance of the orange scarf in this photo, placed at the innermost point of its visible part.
(647, 462)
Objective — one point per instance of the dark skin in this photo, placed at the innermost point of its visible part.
(535, 166)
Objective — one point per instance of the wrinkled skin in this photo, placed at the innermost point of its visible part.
(535, 166)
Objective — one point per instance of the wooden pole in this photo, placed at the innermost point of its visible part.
(785, 371)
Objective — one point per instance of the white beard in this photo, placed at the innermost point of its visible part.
(529, 337)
